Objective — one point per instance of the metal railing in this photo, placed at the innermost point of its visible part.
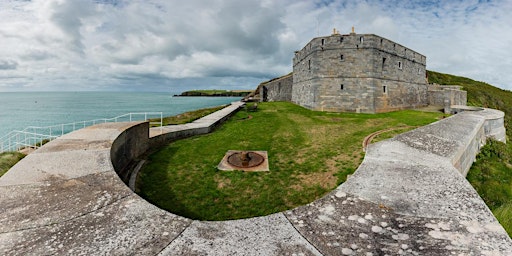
(35, 136)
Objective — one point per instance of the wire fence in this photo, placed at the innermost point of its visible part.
(34, 137)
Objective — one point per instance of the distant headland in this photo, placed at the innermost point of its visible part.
(216, 93)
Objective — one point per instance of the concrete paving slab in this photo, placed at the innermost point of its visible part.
(62, 144)
(344, 224)
(126, 227)
(269, 235)
(416, 183)
(443, 138)
(57, 201)
(63, 165)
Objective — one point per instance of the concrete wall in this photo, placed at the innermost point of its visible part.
(358, 73)
(446, 95)
(127, 147)
(279, 89)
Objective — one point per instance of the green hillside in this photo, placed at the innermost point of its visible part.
(491, 174)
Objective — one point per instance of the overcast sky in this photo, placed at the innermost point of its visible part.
(167, 45)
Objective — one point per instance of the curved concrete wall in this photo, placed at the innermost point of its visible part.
(405, 198)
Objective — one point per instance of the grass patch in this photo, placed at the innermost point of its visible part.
(310, 153)
(491, 176)
(8, 160)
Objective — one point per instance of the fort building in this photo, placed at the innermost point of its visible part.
(362, 73)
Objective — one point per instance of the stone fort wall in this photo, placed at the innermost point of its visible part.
(278, 89)
(358, 73)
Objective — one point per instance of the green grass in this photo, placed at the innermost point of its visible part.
(310, 153)
(9, 159)
(491, 174)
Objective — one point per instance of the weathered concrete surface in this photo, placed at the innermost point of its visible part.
(409, 197)
(270, 235)
(66, 198)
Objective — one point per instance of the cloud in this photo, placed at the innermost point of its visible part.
(151, 44)
(8, 64)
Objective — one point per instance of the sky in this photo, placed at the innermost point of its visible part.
(172, 46)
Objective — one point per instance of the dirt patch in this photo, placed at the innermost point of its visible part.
(222, 182)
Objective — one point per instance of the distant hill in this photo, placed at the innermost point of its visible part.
(216, 93)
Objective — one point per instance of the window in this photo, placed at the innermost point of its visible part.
(341, 39)
(361, 39)
(323, 41)
(383, 62)
(341, 86)
(342, 58)
(384, 89)
(381, 41)
(400, 65)
(309, 64)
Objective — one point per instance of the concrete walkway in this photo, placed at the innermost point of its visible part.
(409, 197)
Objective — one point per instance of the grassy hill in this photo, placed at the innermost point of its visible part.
(491, 174)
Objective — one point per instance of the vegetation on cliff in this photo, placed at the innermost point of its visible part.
(187, 117)
(491, 174)
(216, 93)
(8, 159)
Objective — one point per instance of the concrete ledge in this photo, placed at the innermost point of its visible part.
(409, 196)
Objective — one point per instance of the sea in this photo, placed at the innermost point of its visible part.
(19, 110)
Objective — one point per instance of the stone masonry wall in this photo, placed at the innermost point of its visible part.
(442, 95)
(358, 73)
(279, 89)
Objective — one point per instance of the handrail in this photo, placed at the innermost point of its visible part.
(36, 136)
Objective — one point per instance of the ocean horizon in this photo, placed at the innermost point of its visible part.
(19, 110)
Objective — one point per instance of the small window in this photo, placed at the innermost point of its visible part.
(400, 65)
(341, 39)
(361, 39)
(384, 89)
(323, 41)
(394, 45)
(309, 64)
(357, 46)
(383, 62)
(381, 40)
(342, 58)
(341, 86)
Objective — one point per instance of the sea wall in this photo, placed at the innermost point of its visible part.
(408, 197)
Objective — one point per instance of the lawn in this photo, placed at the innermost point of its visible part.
(310, 153)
